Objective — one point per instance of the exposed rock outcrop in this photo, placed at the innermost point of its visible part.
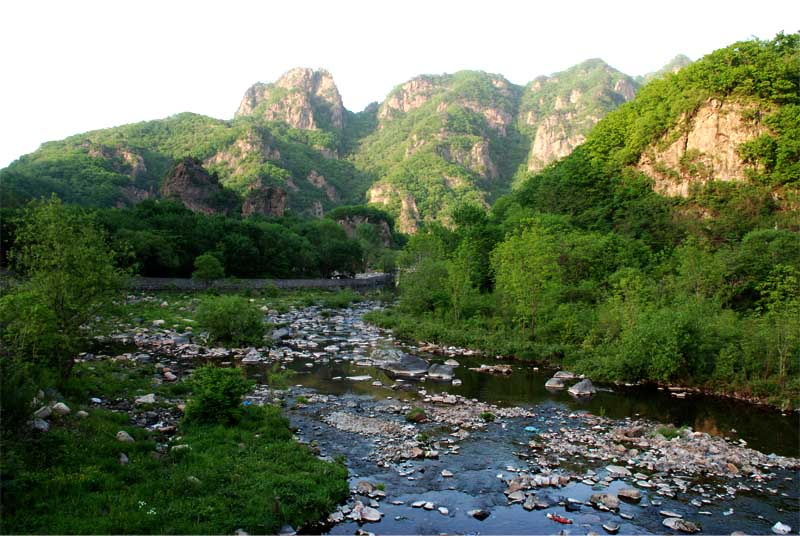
(303, 98)
(319, 182)
(233, 158)
(122, 159)
(553, 140)
(705, 148)
(352, 222)
(407, 97)
(264, 200)
(388, 195)
(477, 159)
(197, 189)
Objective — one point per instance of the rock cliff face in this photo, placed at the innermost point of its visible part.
(264, 200)
(351, 224)
(559, 111)
(234, 158)
(192, 185)
(391, 196)
(122, 159)
(703, 147)
(408, 96)
(303, 98)
(319, 182)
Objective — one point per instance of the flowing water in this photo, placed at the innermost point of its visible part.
(326, 349)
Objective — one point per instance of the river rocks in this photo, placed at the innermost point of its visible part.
(146, 399)
(123, 458)
(781, 528)
(452, 363)
(564, 375)
(582, 388)
(480, 515)
(124, 437)
(555, 383)
(670, 513)
(605, 499)
(364, 488)
(611, 528)
(43, 412)
(632, 495)
(493, 369)
(40, 425)
(407, 366)
(82, 414)
(170, 377)
(446, 474)
(440, 372)
(61, 409)
(681, 525)
(617, 471)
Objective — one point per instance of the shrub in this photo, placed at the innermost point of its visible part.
(487, 416)
(217, 395)
(416, 415)
(207, 267)
(231, 319)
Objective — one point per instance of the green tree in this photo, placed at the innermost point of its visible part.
(459, 284)
(207, 267)
(69, 278)
(526, 271)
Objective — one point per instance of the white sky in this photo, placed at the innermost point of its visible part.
(70, 66)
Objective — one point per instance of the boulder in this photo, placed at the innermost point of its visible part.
(124, 437)
(617, 471)
(440, 372)
(555, 383)
(43, 412)
(606, 499)
(407, 366)
(61, 409)
(582, 388)
(564, 375)
(40, 425)
(146, 399)
(630, 495)
(681, 525)
(781, 528)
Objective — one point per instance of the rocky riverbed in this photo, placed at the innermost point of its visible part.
(489, 449)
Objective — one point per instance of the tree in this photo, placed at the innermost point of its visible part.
(69, 278)
(526, 270)
(207, 267)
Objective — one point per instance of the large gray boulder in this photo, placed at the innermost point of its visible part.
(555, 383)
(442, 373)
(582, 388)
(399, 364)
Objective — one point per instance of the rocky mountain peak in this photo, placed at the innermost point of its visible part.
(303, 98)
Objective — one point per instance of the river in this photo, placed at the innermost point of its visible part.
(715, 475)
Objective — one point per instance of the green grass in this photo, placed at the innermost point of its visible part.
(252, 476)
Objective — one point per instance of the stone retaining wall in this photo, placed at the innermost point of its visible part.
(175, 283)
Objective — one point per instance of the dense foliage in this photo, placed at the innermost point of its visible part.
(68, 276)
(217, 395)
(231, 320)
(589, 267)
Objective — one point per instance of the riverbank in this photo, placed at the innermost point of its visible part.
(476, 462)
(511, 346)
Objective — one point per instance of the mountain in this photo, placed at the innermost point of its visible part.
(448, 139)
(434, 142)
(717, 140)
(672, 66)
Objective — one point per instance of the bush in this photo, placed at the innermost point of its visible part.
(207, 267)
(231, 319)
(488, 416)
(416, 415)
(217, 395)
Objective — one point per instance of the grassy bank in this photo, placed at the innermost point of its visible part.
(493, 337)
(251, 475)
